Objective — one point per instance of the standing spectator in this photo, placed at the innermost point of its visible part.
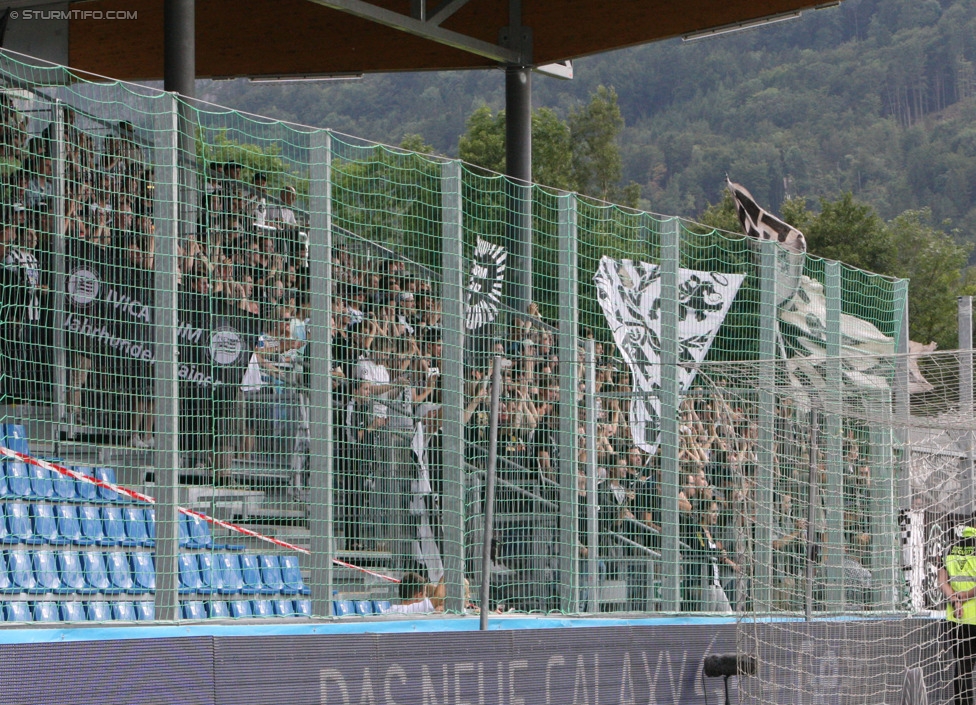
(22, 310)
(957, 581)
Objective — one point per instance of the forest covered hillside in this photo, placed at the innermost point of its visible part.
(873, 97)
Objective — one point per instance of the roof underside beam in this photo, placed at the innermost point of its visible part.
(427, 29)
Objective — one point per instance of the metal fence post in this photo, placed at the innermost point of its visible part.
(834, 442)
(58, 284)
(568, 440)
(765, 421)
(592, 505)
(964, 316)
(669, 403)
(166, 457)
(452, 371)
(321, 499)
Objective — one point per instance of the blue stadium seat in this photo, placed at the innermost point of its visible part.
(6, 586)
(18, 479)
(69, 526)
(5, 536)
(113, 526)
(17, 612)
(136, 532)
(217, 609)
(211, 578)
(151, 525)
(239, 609)
(22, 572)
(291, 576)
(99, 611)
(381, 606)
(363, 607)
(72, 572)
(229, 565)
(303, 608)
(123, 611)
(86, 491)
(15, 438)
(45, 524)
(262, 608)
(94, 564)
(46, 612)
(145, 610)
(251, 574)
(190, 581)
(64, 488)
(92, 528)
(195, 532)
(143, 572)
(119, 573)
(73, 612)
(19, 523)
(41, 481)
(104, 493)
(270, 575)
(343, 608)
(46, 573)
(284, 608)
(193, 609)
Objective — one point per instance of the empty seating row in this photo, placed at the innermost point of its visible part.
(101, 611)
(24, 481)
(67, 524)
(142, 611)
(345, 608)
(237, 609)
(114, 573)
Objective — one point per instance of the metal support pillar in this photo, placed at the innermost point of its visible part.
(669, 402)
(766, 424)
(452, 371)
(568, 349)
(518, 168)
(321, 499)
(834, 443)
(166, 457)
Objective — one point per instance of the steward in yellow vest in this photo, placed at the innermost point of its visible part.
(957, 580)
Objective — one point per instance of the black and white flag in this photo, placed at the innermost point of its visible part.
(485, 284)
(630, 296)
(762, 225)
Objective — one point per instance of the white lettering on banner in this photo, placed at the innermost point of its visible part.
(429, 692)
(626, 683)
(459, 668)
(390, 672)
(225, 345)
(673, 679)
(133, 307)
(189, 333)
(327, 675)
(556, 660)
(520, 665)
(367, 697)
(579, 683)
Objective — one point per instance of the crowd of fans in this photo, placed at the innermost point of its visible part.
(248, 258)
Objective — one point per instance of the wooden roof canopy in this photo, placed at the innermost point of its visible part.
(288, 38)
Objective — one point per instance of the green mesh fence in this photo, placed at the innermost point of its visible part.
(271, 347)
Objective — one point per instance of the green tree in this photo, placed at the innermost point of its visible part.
(594, 129)
(847, 231)
(483, 144)
(934, 263)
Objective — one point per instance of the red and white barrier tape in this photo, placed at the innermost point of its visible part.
(140, 497)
